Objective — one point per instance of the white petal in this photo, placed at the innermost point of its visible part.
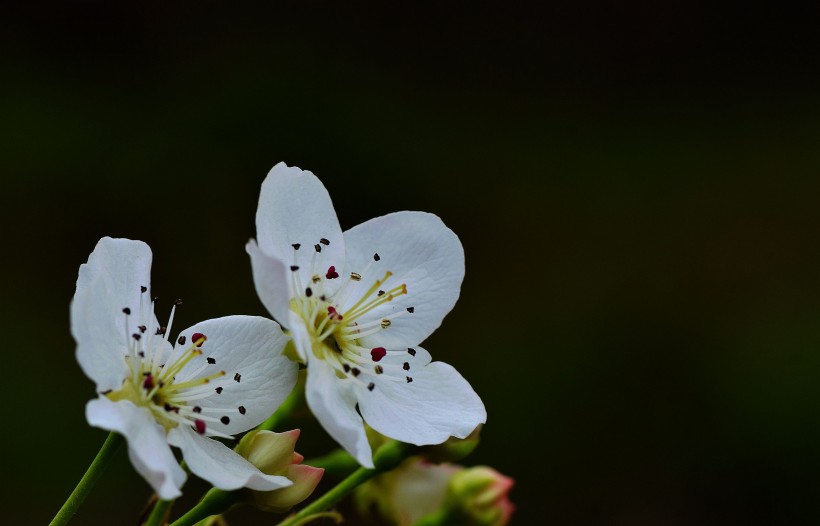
(259, 377)
(147, 447)
(109, 282)
(272, 280)
(294, 207)
(333, 403)
(220, 465)
(437, 404)
(420, 252)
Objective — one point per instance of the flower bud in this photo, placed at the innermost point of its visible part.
(422, 493)
(274, 454)
(479, 495)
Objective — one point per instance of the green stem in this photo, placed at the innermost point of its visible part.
(91, 476)
(337, 462)
(386, 458)
(158, 513)
(214, 502)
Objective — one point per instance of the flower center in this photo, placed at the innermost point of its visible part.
(337, 319)
(157, 380)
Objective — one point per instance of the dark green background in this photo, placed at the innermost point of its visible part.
(636, 189)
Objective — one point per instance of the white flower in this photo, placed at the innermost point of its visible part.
(357, 305)
(221, 376)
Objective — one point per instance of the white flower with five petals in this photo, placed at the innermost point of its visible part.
(219, 378)
(357, 305)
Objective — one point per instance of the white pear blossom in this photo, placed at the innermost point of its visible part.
(219, 377)
(357, 305)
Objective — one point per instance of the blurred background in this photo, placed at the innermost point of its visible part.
(636, 188)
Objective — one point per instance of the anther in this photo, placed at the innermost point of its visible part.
(141, 354)
(378, 353)
(376, 256)
(296, 246)
(160, 331)
(385, 323)
(142, 328)
(370, 386)
(136, 336)
(379, 369)
(178, 302)
(317, 278)
(237, 377)
(225, 420)
(380, 293)
(218, 390)
(317, 247)
(126, 311)
(148, 383)
(308, 292)
(324, 241)
(411, 310)
(155, 298)
(181, 340)
(199, 425)
(411, 352)
(211, 360)
(355, 277)
(356, 371)
(406, 366)
(197, 409)
(241, 409)
(143, 289)
(331, 273)
(409, 380)
(294, 268)
(346, 367)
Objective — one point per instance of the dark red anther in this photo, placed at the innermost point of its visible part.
(378, 353)
(148, 383)
(199, 425)
(331, 273)
(196, 337)
(333, 314)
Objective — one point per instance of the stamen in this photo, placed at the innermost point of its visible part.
(199, 425)
(411, 352)
(225, 420)
(409, 380)
(211, 360)
(294, 268)
(318, 247)
(371, 386)
(324, 241)
(242, 409)
(376, 256)
(296, 246)
(127, 311)
(237, 377)
(406, 366)
(379, 369)
(218, 390)
(143, 289)
(355, 277)
(378, 353)
(411, 310)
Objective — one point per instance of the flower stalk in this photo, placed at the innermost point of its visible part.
(91, 476)
(386, 458)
